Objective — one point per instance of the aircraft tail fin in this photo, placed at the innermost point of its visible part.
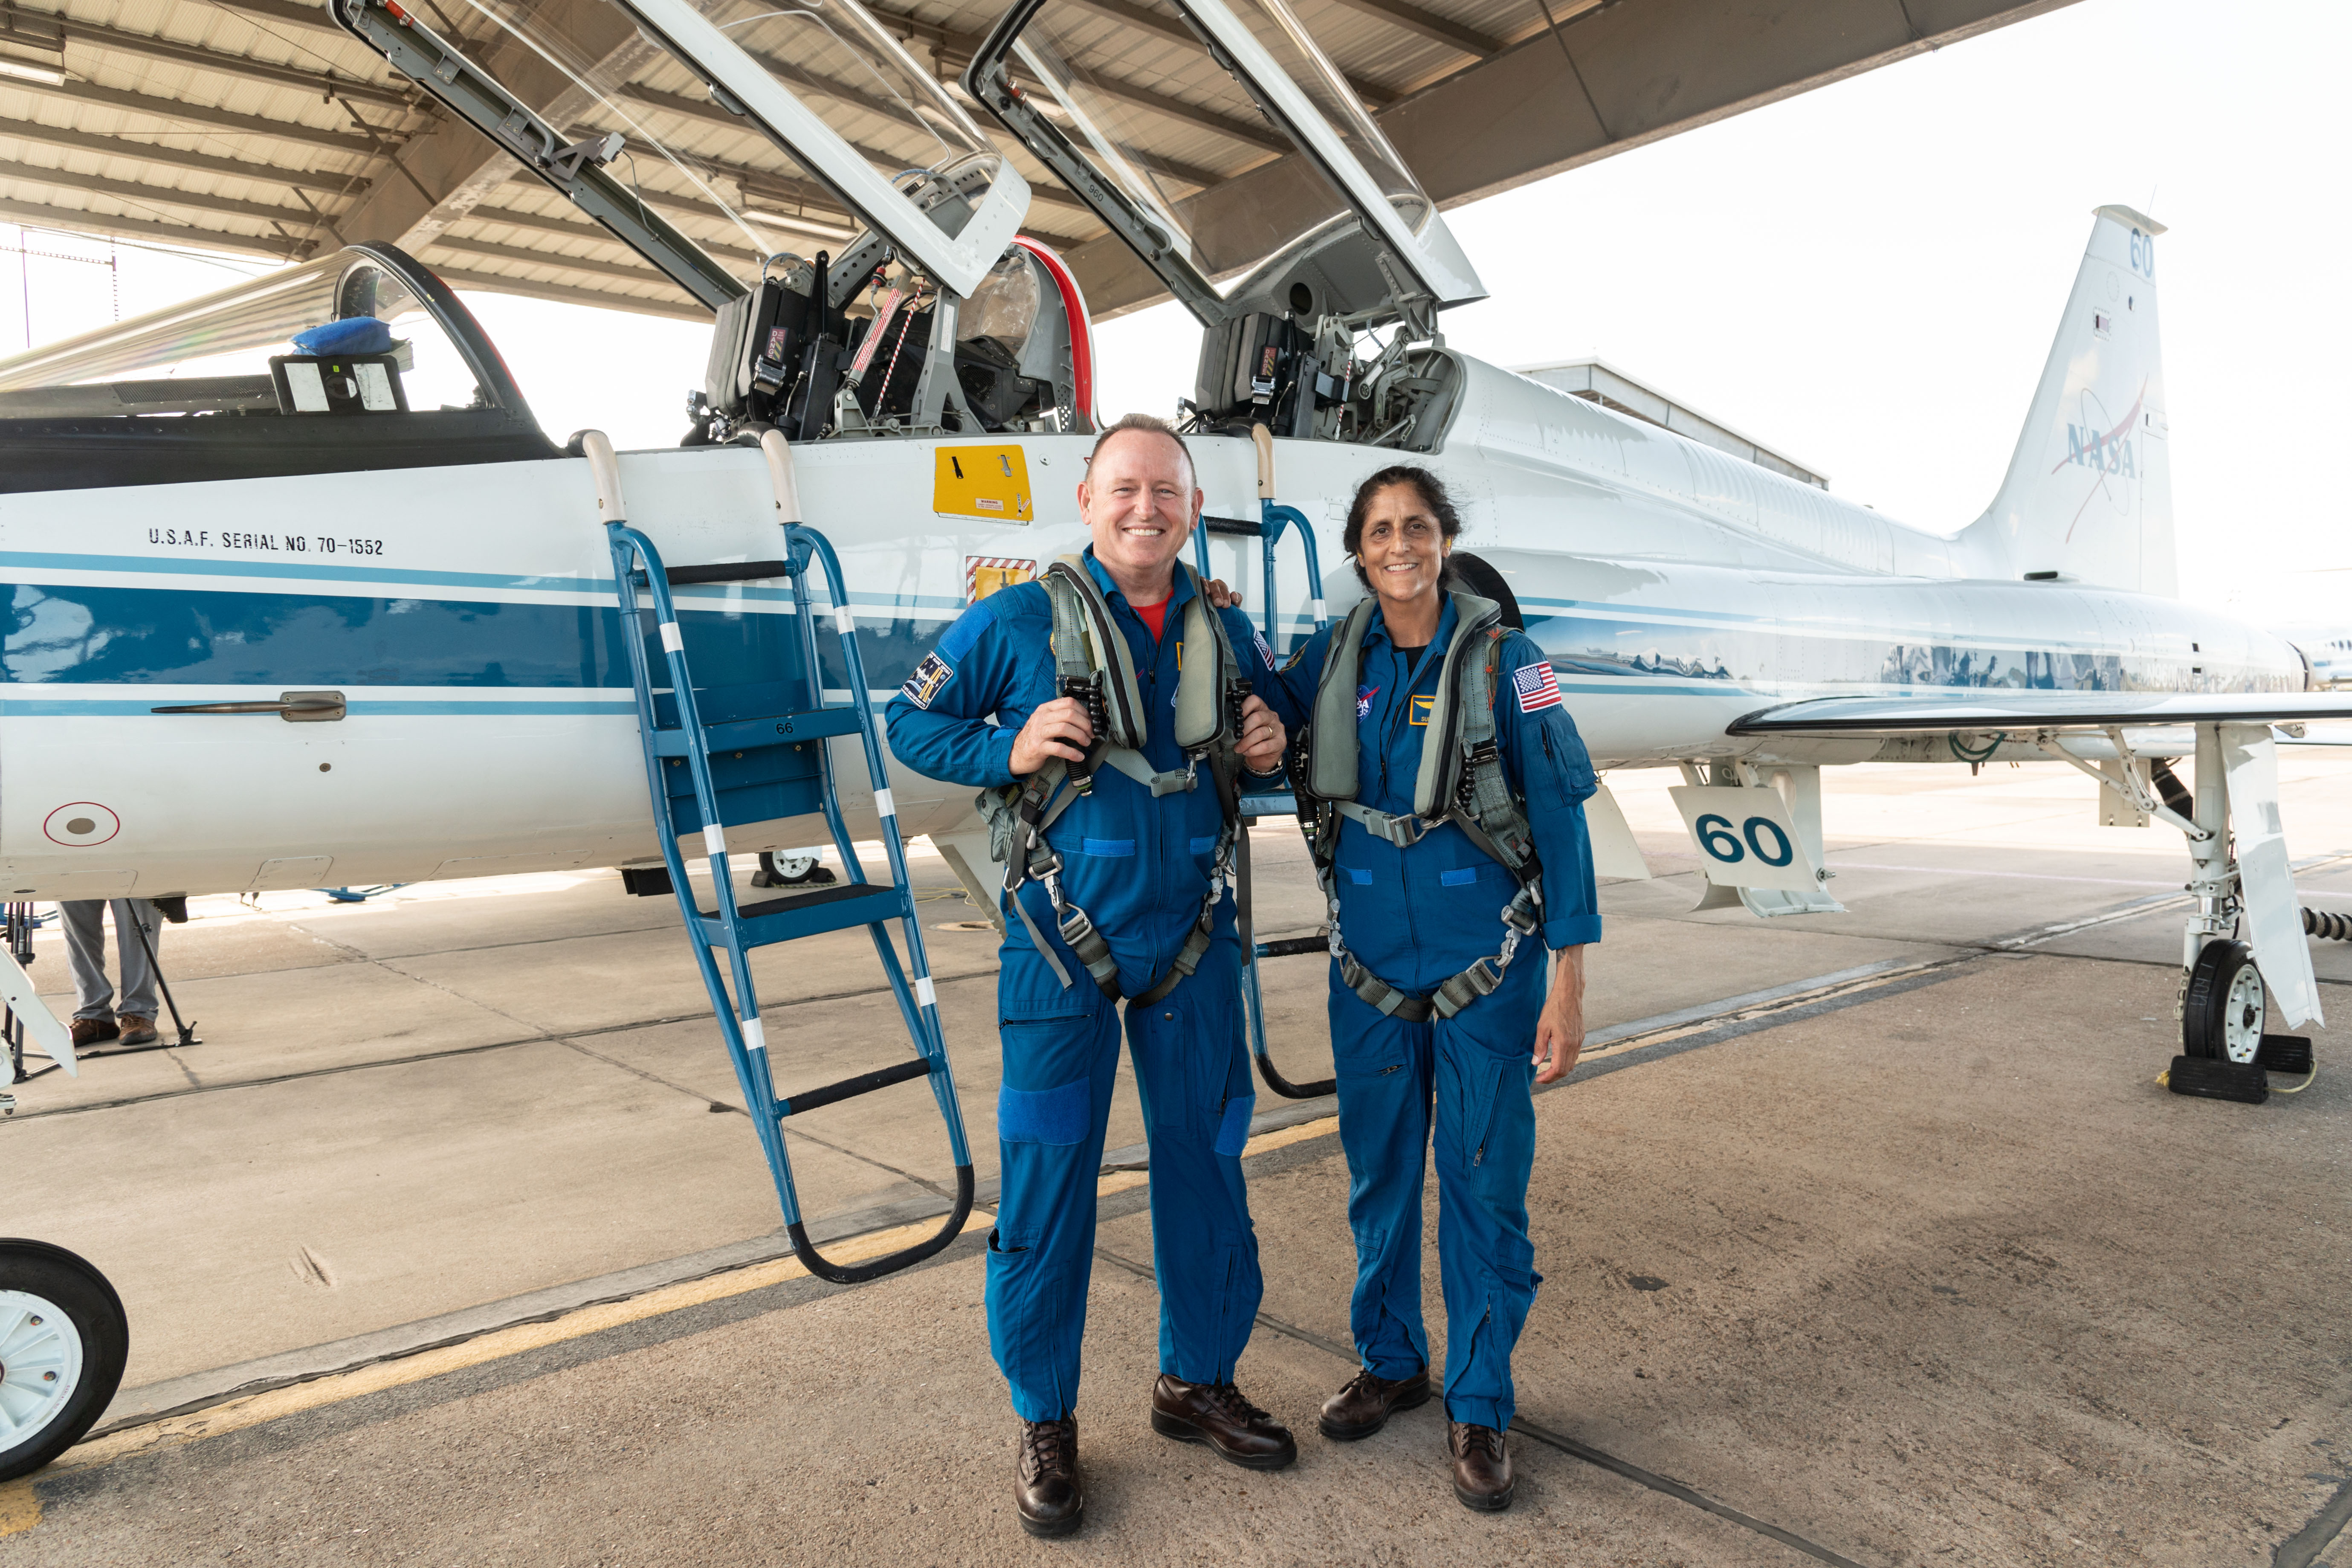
(2088, 496)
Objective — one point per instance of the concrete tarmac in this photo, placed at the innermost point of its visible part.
(1912, 1262)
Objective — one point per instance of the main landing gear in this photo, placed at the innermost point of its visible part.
(2244, 888)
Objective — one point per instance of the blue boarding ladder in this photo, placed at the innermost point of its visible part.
(717, 757)
(1274, 520)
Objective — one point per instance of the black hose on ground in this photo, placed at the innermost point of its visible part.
(2335, 927)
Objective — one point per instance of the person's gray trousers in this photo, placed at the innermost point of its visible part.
(86, 948)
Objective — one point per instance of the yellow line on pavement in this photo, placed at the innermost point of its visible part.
(20, 1506)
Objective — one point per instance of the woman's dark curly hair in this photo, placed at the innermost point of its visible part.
(1433, 496)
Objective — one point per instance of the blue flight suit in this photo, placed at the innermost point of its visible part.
(1140, 867)
(1416, 917)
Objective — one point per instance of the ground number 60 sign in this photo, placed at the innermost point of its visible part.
(1745, 837)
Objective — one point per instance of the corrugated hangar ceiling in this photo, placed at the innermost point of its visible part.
(260, 126)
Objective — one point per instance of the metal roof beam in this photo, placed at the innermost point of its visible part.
(634, 272)
(288, 13)
(75, 220)
(331, 185)
(1263, 137)
(131, 191)
(194, 114)
(1429, 24)
(497, 283)
(801, 190)
(238, 66)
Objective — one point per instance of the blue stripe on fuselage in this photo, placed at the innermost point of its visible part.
(99, 634)
(77, 632)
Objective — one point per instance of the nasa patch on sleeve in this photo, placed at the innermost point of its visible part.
(929, 676)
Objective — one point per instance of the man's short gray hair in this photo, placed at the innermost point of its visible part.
(1150, 424)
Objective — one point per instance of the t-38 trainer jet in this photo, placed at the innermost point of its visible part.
(300, 548)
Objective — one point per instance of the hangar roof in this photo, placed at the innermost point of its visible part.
(260, 126)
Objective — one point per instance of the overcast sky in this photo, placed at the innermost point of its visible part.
(1866, 277)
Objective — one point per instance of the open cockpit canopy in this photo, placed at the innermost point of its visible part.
(212, 354)
(851, 132)
(359, 359)
(1330, 206)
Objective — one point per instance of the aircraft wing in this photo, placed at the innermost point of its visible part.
(1983, 709)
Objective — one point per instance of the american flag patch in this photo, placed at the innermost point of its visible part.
(1263, 652)
(1538, 687)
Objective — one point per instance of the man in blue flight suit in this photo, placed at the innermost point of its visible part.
(1417, 902)
(1140, 865)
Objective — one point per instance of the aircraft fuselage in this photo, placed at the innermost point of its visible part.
(467, 617)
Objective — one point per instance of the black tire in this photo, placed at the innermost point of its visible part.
(2225, 1006)
(1481, 578)
(56, 1281)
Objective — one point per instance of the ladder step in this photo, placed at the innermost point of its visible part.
(810, 914)
(850, 1088)
(817, 724)
(727, 572)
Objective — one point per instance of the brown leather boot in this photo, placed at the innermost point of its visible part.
(1364, 1406)
(1217, 1415)
(136, 1030)
(1046, 1478)
(1482, 1466)
(93, 1031)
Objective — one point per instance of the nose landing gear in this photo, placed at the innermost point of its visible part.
(63, 1341)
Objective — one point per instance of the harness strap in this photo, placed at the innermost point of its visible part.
(1404, 831)
(1087, 645)
(1137, 766)
(1461, 780)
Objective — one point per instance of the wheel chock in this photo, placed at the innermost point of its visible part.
(2284, 1053)
(2211, 1078)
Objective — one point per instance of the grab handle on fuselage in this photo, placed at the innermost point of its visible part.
(294, 707)
(604, 469)
(778, 452)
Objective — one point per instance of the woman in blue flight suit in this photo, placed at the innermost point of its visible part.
(1417, 916)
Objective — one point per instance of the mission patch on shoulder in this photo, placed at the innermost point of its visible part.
(929, 676)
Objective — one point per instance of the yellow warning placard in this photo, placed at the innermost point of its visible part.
(989, 484)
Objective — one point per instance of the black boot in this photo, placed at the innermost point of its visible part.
(1046, 1478)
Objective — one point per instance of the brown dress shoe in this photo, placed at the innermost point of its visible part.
(1482, 1466)
(92, 1031)
(1217, 1415)
(1046, 1478)
(136, 1030)
(1364, 1406)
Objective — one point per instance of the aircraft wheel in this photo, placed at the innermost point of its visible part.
(2223, 1015)
(63, 1341)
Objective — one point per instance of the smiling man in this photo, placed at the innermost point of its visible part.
(1118, 892)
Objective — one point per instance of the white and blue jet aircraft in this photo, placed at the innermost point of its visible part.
(279, 620)
(286, 618)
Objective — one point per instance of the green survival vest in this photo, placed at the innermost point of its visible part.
(1209, 690)
(1461, 780)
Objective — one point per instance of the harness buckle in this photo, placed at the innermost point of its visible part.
(1405, 832)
